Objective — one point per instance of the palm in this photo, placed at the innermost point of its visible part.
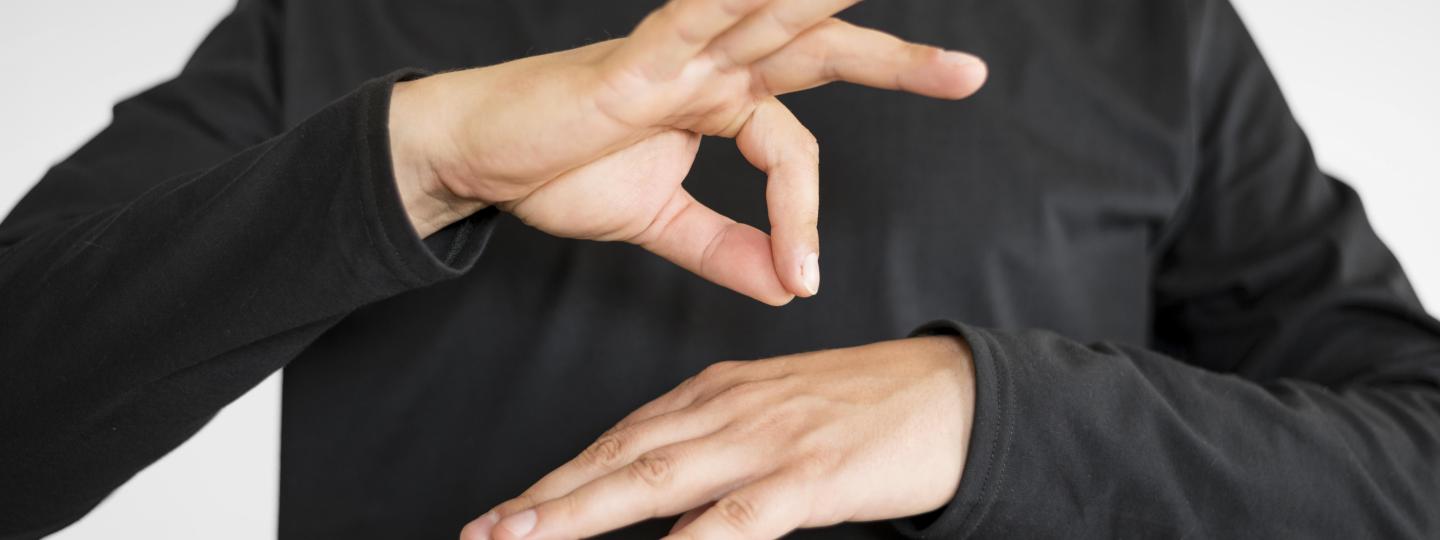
(532, 151)
(616, 197)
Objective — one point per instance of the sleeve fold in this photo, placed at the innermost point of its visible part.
(1298, 395)
(126, 327)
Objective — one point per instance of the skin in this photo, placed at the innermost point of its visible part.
(506, 135)
(758, 449)
(594, 143)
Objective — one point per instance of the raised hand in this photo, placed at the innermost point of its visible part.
(758, 449)
(594, 142)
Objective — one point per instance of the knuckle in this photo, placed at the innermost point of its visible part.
(720, 367)
(675, 15)
(525, 500)
(712, 374)
(688, 387)
(605, 452)
(778, 415)
(653, 469)
(791, 26)
(738, 512)
(766, 426)
(920, 53)
(818, 463)
(811, 222)
(811, 146)
(740, 392)
(736, 8)
(830, 35)
(724, 55)
(688, 34)
(568, 506)
(833, 24)
(665, 14)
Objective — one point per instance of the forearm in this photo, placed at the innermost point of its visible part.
(126, 329)
(1149, 446)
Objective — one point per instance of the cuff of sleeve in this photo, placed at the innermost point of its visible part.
(406, 254)
(990, 437)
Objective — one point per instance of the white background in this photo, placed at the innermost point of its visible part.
(1363, 77)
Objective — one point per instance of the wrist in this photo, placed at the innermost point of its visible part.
(429, 203)
(953, 352)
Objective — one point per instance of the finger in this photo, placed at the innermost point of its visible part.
(769, 28)
(664, 482)
(768, 508)
(678, 31)
(733, 255)
(684, 394)
(479, 529)
(776, 142)
(712, 380)
(836, 50)
(676, 399)
(689, 517)
(618, 448)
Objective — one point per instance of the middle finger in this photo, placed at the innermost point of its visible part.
(769, 28)
(619, 447)
(663, 482)
(839, 51)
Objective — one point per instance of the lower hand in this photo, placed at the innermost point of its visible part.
(758, 449)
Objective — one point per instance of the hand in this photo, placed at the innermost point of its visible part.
(594, 142)
(758, 449)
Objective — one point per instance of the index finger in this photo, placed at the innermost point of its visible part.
(663, 482)
(771, 27)
(678, 31)
(774, 141)
(839, 51)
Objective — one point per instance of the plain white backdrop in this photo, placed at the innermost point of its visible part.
(1363, 78)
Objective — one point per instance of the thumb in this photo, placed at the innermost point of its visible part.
(730, 254)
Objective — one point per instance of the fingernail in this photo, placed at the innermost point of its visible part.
(486, 523)
(958, 58)
(520, 524)
(810, 273)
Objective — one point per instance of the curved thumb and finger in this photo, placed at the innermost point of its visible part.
(774, 141)
(730, 254)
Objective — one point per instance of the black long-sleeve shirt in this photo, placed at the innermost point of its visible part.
(1181, 327)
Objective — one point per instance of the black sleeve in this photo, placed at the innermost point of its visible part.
(1298, 395)
(184, 254)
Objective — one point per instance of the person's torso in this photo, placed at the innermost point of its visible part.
(1036, 203)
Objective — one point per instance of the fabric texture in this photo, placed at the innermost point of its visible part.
(1181, 327)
